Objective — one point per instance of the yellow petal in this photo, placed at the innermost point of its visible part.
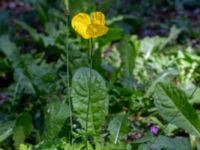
(80, 23)
(95, 30)
(98, 18)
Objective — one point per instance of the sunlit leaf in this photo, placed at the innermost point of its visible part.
(118, 127)
(128, 55)
(55, 117)
(172, 104)
(98, 102)
(22, 129)
(169, 143)
(167, 76)
(6, 129)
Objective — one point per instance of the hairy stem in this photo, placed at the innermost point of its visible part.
(89, 89)
(66, 2)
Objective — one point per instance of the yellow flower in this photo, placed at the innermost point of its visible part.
(90, 26)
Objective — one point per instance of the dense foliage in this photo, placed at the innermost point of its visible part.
(143, 82)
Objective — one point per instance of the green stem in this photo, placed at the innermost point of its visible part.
(89, 89)
(16, 90)
(66, 2)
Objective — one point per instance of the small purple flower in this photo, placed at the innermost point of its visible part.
(154, 129)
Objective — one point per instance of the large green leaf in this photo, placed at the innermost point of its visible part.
(6, 129)
(118, 127)
(112, 35)
(169, 143)
(55, 117)
(150, 44)
(173, 35)
(128, 56)
(191, 89)
(7, 47)
(24, 147)
(22, 129)
(98, 102)
(166, 77)
(172, 104)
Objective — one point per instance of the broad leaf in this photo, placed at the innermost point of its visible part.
(172, 104)
(22, 129)
(24, 147)
(174, 33)
(164, 142)
(191, 90)
(118, 127)
(171, 143)
(149, 44)
(128, 56)
(112, 35)
(55, 117)
(7, 47)
(98, 102)
(166, 77)
(6, 129)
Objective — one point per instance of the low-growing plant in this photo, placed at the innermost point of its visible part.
(105, 88)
